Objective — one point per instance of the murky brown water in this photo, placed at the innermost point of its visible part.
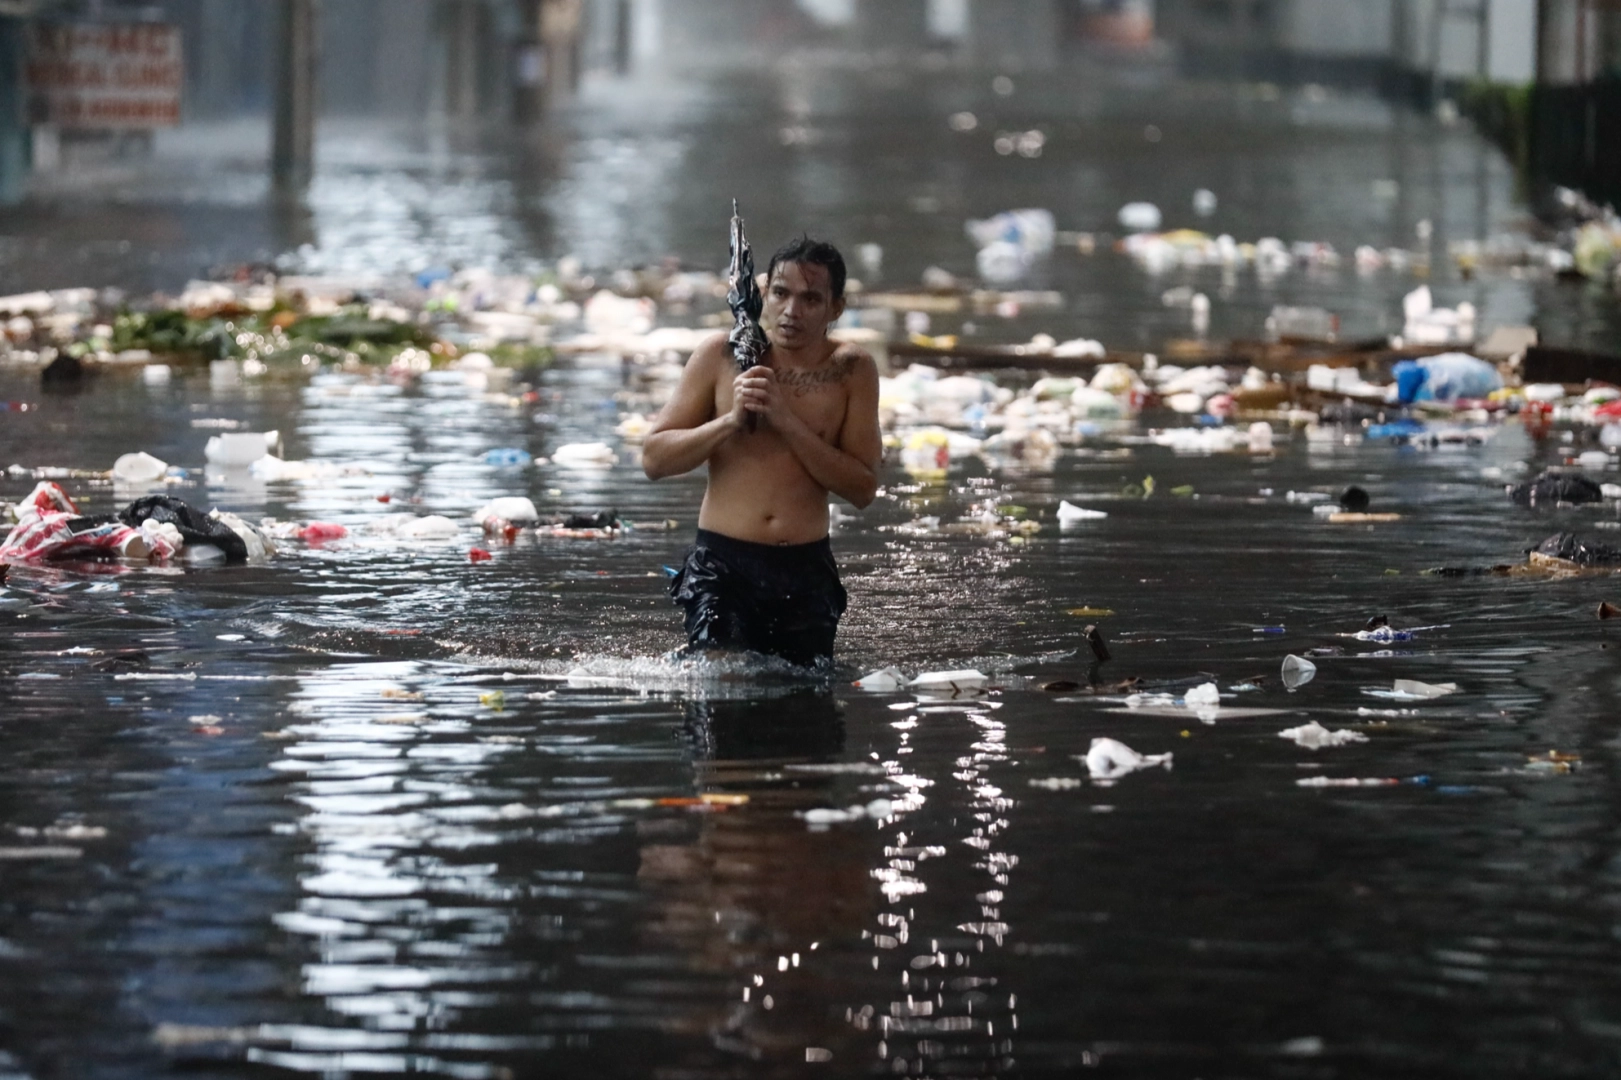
(328, 848)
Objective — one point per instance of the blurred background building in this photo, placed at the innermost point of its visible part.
(1543, 75)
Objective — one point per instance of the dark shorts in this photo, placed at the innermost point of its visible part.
(781, 600)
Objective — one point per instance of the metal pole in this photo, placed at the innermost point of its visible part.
(533, 66)
(463, 68)
(1581, 41)
(1544, 42)
(1400, 67)
(1438, 13)
(623, 29)
(14, 132)
(560, 24)
(293, 145)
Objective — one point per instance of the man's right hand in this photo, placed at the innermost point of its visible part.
(753, 396)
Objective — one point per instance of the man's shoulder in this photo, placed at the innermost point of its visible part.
(714, 346)
(712, 353)
(853, 359)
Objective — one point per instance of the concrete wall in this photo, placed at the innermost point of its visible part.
(1576, 50)
(375, 56)
(1510, 47)
(708, 32)
(1405, 30)
(1015, 35)
(647, 32)
(894, 24)
(1335, 27)
(227, 62)
(1370, 33)
(948, 19)
(1513, 41)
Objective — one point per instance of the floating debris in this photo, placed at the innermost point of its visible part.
(1313, 736)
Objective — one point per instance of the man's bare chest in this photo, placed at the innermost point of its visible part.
(818, 395)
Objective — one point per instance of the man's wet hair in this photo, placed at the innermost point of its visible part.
(815, 253)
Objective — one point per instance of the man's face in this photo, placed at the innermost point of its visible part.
(799, 305)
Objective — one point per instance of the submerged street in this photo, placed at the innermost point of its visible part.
(377, 807)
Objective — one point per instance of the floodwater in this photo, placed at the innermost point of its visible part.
(641, 171)
(348, 814)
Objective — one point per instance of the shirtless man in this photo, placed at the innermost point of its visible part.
(761, 575)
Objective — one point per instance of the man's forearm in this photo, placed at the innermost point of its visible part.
(681, 450)
(837, 471)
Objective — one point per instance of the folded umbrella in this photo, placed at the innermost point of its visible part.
(748, 341)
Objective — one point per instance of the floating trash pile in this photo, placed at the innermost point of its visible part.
(1445, 382)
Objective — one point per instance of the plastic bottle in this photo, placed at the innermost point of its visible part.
(239, 449)
(1593, 459)
(139, 468)
(1206, 694)
(318, 531)
(1140, 216)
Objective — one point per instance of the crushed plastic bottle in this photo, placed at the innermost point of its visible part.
(959, 681)
(587, 455)
(272, 469)
(876, 810)
(408, 527)
(1205, 694)
(1413, 690)
(139, 468)
(1445, 377)
(1314, 736)
(884, 679)
(1140, 217)
(507, 457)
(1070, 514)
(1346, 782)
(1001, 262)
(1030, 230)
(498, 515)
(1305, 323)
(317, 532)
(1108, 760)
(240, 449)
(1386, 634)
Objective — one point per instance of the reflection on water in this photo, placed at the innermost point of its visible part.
(374, 809)
(485, 882)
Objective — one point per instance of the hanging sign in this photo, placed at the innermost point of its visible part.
(105, 76)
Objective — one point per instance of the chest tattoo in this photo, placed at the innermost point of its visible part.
(800, 383)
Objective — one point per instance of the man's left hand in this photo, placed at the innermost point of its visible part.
(759, 393)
